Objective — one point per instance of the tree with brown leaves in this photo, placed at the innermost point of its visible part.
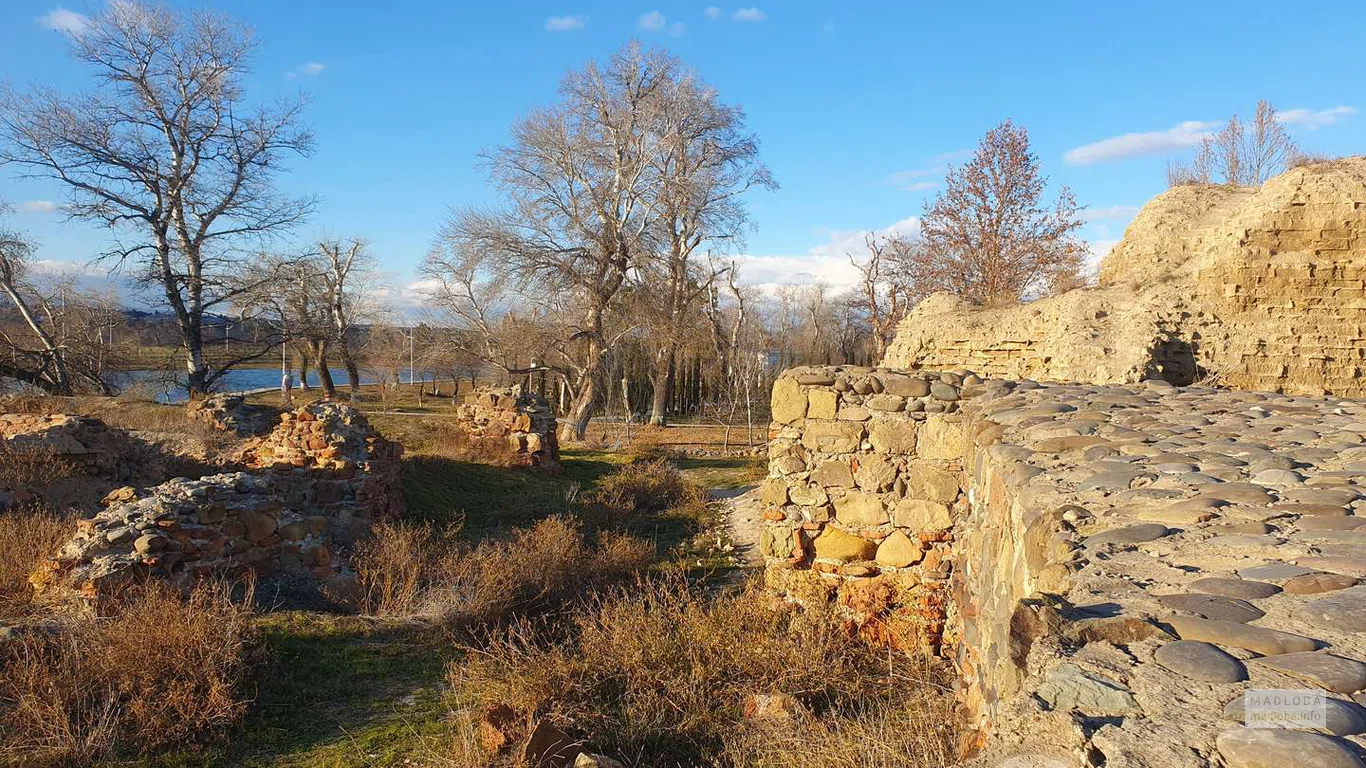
(988, 237)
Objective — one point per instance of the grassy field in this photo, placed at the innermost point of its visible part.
(335, 690)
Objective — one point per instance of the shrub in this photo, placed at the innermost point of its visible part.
(644, 487)
(409, 570)
(661, 674)
(160, 669)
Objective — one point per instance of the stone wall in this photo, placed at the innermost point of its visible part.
(862, 495)
(1259, 289)
(524, 420)
(1119, 566)
(321, 479)
(232, 413)
(84, 443)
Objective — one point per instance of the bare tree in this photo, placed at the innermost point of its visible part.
(1240, 155)
(705, 161)
(58, 343)
(988, 237)
(885, 292)
(589, 211)
(348, 282)
(166, 152)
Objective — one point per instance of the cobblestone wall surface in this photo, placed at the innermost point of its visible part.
(1121, 565)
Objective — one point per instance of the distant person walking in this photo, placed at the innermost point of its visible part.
(287, 389)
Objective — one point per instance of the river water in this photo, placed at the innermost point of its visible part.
(170, 390)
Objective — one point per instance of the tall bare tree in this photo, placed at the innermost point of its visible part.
(348, 282)
(166, 151)
(705, 162)
(637, 160)
(988, 236)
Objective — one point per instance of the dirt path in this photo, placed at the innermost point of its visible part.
(744, 522)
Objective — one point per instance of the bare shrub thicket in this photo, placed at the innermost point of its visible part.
(159, 670)
(28, 533)
(420, 571)
(661, 673)
(1244, 155)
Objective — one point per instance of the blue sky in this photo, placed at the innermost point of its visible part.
(858, 105)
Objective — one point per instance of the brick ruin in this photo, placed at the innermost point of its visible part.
(1261, 289)
(1109, 568)
(85, 443)
(524, 420)
(317, 483)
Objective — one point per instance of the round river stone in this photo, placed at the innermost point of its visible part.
(1200, 661)
(1315, 583)
(1237, 589)
(1213, 607)
(1276, 748)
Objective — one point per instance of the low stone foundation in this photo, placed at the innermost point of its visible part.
(1121, 564)
(323, 478)
(85, 443)
(232, 413)
(524, 419)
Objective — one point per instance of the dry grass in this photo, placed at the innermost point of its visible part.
(159, 670)
(644, 487)
(27, 535)
(659, 675)
(420, 571)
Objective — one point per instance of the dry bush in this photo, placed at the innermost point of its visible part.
(419, 571)
(28, 533)
(30, 470)
(1308, 159)
(643, 487)
(159, 670)
(450, 439)
(659, 674)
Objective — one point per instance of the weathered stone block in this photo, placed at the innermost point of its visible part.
(821, 404)
(898, 551)
(833, 474)
(875, 473)
(922, 515)
(896, 437)
(860, 510)
(834, 544)
(788, 402)
(940, 439)
(832, 436)
(925, 481)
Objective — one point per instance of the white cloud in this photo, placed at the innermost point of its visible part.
(62, 20)
(1110, 212)
(750, 14)
(1180, 136)
(1097, 250)
(307, 69)
(919, 186)
(564, 23)
(37, 206)
(1312, 119)
(827, 262)
(653, 21)
(712, 12)
(935, 166)
(677, 29)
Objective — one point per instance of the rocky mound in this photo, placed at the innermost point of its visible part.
(1253, 289)
(524, 419)
(323, 477)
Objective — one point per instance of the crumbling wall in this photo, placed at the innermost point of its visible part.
(84, 443)
(862, 495)
(1259, 289)
(524, 420)
(232, 413)
(321, 479)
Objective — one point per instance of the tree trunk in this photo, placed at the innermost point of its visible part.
(324, 371)
(661, 380)
(352, 370)
(63, 382)
(197, 369)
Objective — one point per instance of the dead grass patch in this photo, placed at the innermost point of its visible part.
(158, 670)
(659, 674)
(28, 533)
(422, 571)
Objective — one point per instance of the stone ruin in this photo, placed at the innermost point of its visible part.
(525, 420)
(232, 413)
(1110, 569)
(318, 482)
(84, 443)
(1261, 289)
